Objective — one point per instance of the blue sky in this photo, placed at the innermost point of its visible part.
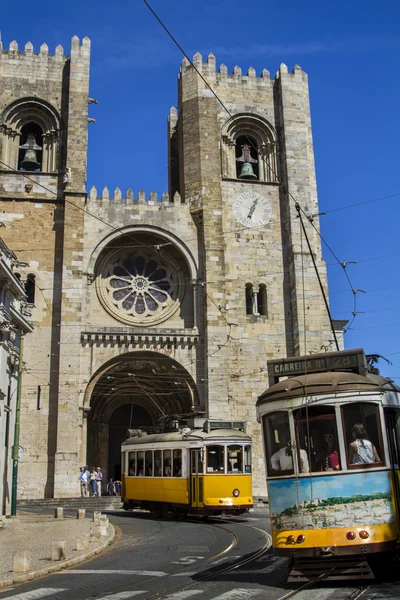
(350, 51)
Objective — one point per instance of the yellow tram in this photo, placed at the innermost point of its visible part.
(331, 430)
(198, 471)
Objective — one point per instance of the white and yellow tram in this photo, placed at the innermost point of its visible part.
(198, 471)
(331, 431)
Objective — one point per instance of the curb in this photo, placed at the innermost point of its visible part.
(60, 565)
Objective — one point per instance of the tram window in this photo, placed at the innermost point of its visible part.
(247, 459)
(177, 463)
(132, 463)
(148, 463)
(157, 463)
(278, 451)
(167, 463)
(140, 464)
(362, 429)
(235, 459)
(317, 439)
(392, 422)
(215, 459)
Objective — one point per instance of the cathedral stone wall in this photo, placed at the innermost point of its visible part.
(194, 346)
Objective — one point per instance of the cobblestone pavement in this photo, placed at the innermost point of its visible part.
(35, 533)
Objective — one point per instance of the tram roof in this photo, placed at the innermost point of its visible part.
(223, 435)
(326, 383)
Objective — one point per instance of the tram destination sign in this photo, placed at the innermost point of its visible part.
(346, 360)
(211, 424)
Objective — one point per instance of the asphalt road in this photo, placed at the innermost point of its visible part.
(178, 560)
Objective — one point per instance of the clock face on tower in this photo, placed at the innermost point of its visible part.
(252, 209)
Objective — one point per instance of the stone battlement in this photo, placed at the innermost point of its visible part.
(14, 54)
(130, 199)
(209, 68)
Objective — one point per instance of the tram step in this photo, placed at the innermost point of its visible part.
(334, 570)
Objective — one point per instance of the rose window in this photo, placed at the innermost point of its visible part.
(139, 288)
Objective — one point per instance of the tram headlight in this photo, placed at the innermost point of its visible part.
(236, 492)
(351, 535)
(364, 534)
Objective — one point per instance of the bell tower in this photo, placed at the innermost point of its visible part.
(43, 150)
(241, 156)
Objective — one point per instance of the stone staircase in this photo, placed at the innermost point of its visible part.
(90, 504)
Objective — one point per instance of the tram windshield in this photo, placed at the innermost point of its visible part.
(235, 458)
(363, 436)
(316, 435)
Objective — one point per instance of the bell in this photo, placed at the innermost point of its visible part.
(30, 162)
(247, 171)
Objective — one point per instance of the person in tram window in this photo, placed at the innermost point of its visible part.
(167, 469)
(282, 460)
(177, 468)
(140, 469)
(330, 456)
(362, 451)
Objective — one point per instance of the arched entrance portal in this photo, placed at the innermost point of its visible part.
(135, 390)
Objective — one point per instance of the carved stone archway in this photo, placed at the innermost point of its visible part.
(146, 389)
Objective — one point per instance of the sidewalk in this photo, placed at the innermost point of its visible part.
(35, 533)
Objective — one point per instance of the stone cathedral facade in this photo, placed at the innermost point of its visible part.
(150, 308)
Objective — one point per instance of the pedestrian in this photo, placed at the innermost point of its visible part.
(84, 478)
(93, 482)
(118, 485)
(110, 488)
(99, 478)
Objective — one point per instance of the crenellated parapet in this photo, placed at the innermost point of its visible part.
(130, 200)
(208, 68)
(27, 61)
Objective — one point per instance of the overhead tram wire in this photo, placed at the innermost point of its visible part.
(298, 206)
(361, 203)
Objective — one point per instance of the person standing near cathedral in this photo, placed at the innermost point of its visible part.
(99, 478)
(93, 482)
(84, 478)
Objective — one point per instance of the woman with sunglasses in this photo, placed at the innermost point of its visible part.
(330, 457)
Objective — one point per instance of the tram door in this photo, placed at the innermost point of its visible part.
(196, 480)
(392, 418)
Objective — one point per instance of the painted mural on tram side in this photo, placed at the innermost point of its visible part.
(325, 502)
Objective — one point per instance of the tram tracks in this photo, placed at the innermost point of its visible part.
(221, 570)
(354, 595)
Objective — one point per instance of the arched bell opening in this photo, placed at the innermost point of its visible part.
(139, 390)
(246, 158)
